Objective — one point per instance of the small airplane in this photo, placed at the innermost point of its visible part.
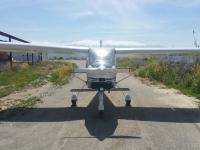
(100, 66)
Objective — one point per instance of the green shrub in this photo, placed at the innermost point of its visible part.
(186, 78)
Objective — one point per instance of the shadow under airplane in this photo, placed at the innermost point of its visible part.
(106, 127)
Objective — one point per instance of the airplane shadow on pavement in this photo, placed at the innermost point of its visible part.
(105, 128)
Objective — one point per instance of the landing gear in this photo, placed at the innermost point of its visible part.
(128, 99)
(73, 103)
(74, 99)
(128, 103)
(101, 114)
(101, 106)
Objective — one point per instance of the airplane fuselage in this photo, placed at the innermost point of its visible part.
(101, 58)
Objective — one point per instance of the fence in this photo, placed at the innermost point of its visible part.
(18, 57)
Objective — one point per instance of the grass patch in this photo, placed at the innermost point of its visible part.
(24, 76)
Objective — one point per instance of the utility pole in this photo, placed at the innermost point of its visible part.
(195, 41)
(101, 42)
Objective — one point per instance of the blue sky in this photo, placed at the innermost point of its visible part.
(149, 22)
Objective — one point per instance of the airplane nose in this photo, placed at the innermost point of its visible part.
(102, 67)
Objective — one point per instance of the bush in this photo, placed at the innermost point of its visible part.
(186, 78)
(24, 65)
(61, 75)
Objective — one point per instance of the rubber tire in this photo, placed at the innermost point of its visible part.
(101, 112)
(73, 103)
(128, 103)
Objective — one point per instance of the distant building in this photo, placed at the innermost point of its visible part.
(24, 57)
(3, 57)
(18, 57)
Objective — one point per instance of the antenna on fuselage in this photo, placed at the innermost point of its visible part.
(101, 42)
(195, 41)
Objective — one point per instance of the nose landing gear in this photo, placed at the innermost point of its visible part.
(101, 106)
(74, 99)
(128, 99)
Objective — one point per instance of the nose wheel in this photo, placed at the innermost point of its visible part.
(128, 99)
(101, 112)
(74, 99)
(101, 106)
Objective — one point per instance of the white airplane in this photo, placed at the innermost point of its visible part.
(100, 66)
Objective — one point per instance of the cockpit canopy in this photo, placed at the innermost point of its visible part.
(101, 56)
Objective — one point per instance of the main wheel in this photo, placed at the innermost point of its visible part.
(73, 103)
(101, 112)
(128, 103)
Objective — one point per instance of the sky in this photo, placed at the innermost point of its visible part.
(168, 23)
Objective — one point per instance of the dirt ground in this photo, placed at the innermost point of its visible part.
(16, 97)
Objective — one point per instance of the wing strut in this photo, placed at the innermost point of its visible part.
(80, 79)
(125, 78)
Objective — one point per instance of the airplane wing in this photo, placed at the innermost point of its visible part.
(32, 48)
(154, 51)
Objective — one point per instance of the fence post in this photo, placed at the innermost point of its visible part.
(10, 54)
(32, 58)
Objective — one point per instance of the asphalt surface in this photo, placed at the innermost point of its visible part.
(157, 119)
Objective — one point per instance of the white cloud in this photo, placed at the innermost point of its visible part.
(81, 14)
(44, 43)
(123, 43)
(93, 43)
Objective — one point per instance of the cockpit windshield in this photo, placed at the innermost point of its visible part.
(99, 55)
